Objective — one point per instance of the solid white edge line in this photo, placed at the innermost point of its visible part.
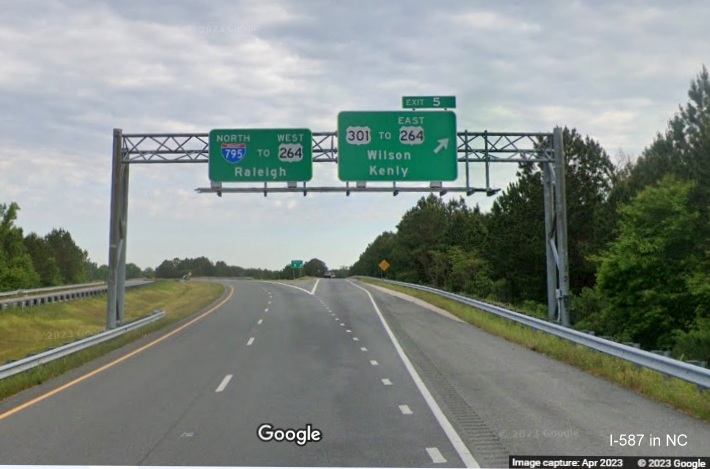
(405, 410)
(451, 433)
(288, 285)
(251, 341)
(435, 455)
(223, 384)
(313, 292)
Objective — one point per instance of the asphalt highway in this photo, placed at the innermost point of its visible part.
(369, 379)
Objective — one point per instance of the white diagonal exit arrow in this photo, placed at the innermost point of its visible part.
(443, 143)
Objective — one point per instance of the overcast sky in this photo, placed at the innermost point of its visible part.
(72, 71)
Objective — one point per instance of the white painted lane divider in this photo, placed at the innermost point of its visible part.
(355, 339)
(266, 310)
(259, 321)
(222, 386)
(251, 341)
(405, 410)
(314, 287)
(386, 382)
(289, 285)
(451, 433)
(364, 349)
(435, 455)
(348, 331)
(374, 362)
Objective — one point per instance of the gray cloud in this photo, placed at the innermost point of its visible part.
(73, 71)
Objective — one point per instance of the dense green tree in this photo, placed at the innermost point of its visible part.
(380, 249)
(315, 268)
(133, 271)
(168, 269)
(468, 272)
(16, 268)
(644, 276)
(695, 343)
(149, 272)
(43, 260)
(422, 234)
(515, 246)
(682, 150)
(221, 269)
(70, 258)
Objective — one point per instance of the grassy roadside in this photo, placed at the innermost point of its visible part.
(674, 392)
(33, 330)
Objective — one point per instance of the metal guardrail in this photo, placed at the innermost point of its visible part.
(71, 292)
(668, 366)
(28, 363)
(46, 289)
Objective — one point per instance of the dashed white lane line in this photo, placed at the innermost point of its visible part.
(364, 349)
(435, 455)
(348, 331)
(251, 341)
(266, 310)
(268, 302)
(333, 314)
(342, 324)
(405, 410)
(259, 321)
(355, 339)
(223, 385)
(386, 382)
(374, 362)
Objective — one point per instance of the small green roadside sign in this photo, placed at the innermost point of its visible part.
(296, 264)
(397, 146)
(423, 102)
(260, 155)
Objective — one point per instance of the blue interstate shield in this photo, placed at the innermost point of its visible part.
(234, 152)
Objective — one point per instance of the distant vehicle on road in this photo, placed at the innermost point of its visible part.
(329, 274)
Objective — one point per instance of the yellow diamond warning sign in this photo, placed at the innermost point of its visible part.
(384, 265)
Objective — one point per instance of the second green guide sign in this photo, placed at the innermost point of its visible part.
(260, 155)
(397, 146)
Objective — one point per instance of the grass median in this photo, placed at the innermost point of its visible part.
(28, 331)
(680, 394)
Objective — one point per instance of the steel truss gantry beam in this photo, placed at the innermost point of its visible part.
(545, 149)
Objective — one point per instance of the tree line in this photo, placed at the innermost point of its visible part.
(35, 261)
(638, 234)
(204, 267)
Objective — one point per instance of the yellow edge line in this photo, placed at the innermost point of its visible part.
(113, 363)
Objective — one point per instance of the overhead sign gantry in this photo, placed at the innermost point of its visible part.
(379, 146)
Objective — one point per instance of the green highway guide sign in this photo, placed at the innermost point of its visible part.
(260, 155)
(296, 264)
(421, 102)
(397, 146)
